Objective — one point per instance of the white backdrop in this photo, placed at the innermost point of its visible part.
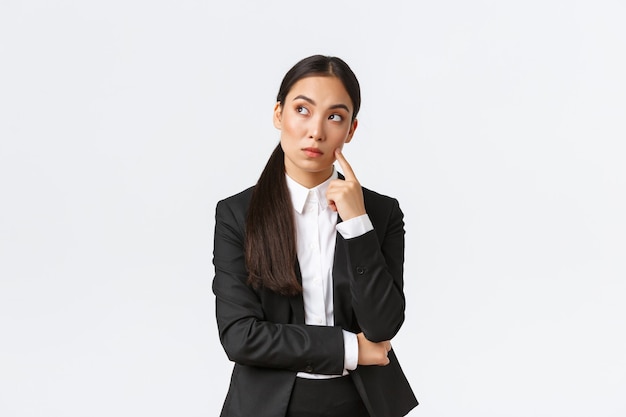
(498, 125)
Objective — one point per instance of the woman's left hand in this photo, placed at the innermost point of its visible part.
(345, 196)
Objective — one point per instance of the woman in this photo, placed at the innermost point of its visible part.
(309, 267)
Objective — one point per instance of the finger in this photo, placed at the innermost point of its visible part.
(345, 166)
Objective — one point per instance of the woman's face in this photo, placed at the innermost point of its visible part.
(314, 120)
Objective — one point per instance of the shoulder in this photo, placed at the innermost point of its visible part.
(242, 198)
(378, 199)
(234, 206)
(381, 207)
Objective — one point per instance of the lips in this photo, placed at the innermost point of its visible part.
(312, 152)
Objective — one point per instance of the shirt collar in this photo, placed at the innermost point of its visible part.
(300, 194)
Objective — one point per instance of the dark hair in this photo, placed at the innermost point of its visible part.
(270, 244)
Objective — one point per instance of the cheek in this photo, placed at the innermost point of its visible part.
(291, 125)
(290, 133)
(341, 133)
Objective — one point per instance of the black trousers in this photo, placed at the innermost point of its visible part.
(334, 397)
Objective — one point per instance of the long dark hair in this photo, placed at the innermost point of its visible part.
(270, 229)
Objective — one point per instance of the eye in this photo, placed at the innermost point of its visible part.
(335, 117)
(302, 110)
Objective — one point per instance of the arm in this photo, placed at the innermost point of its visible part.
(375, 258)
(246, 330)
(376, 261)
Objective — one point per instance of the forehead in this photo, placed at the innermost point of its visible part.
(322, 89)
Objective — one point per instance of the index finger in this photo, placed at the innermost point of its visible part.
(345, 166)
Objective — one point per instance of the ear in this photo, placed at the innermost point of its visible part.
(353, 127)
(278, 116)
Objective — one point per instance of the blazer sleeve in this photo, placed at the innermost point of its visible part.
(247, 331)
(376, 264)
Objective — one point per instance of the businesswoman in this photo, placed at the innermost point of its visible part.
(309, 267)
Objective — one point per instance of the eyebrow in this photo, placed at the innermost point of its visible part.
(310, 100)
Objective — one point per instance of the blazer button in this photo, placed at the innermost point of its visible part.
(308, 369)
(360, 270)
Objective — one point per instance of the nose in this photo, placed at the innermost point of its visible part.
(316, 129)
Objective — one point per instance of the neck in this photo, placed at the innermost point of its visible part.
(311, 179)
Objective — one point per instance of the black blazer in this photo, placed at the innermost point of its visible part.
(265, 335)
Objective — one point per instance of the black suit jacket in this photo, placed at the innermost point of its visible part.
(265, 335)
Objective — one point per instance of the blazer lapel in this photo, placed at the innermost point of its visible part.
(342, 297)
(297, 302)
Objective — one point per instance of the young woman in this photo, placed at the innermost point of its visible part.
(309, 268)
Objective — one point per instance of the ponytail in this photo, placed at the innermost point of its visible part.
(270, 244)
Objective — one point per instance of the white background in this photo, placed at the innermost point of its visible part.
(499, 126)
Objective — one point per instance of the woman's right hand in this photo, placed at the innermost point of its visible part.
(371, 353)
